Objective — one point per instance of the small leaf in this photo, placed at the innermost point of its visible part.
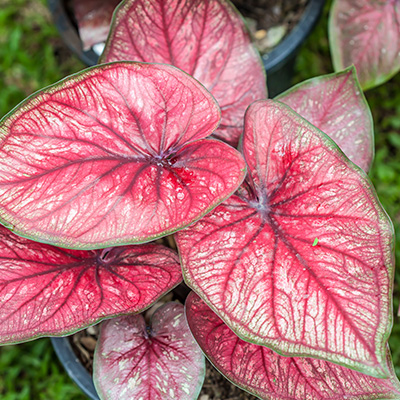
(46, 290)
(205, 38)
(270, 376)
(162, 361)
(366, 33)
(315, 242)
(336, 105)
(251, 259)
(114, 156)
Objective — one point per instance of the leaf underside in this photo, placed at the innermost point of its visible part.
(367, 34)
(335, 104)
(270, 376)
(254, 262)
(161, 361)
(114, 156)
(47, 290)
(205, 38)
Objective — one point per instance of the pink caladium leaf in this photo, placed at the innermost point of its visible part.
(366, 33)
(205, 38)
(113, 156)
(160, 361)
(47, 290)
(337, 106)
(93, 18)
(270, 376)
(301, 260)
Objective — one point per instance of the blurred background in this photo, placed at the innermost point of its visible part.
(32, 56)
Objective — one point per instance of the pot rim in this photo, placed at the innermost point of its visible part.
(73, 366)
(272, 61)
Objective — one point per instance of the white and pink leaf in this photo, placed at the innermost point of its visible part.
(159, 361)
(270, 376)
(366, 33)
(205, 38)
(336, 105)
(112, 156)
(301, 259)
(46, 290)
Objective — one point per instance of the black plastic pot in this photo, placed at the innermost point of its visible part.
(74, 367)
(279, 63)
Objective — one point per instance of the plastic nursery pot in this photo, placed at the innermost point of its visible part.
(279, 63)
(72, 365)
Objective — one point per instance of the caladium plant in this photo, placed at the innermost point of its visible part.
(366, 33)
(293, 261)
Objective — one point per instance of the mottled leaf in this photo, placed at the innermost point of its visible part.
(45, 290)
(253, 260)
(336, 105)
(160, 361)
(270, 376)
(205, 38)
(112, 156)
(366, 33)
(93, 18)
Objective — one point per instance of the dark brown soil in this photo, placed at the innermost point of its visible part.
(269, 21)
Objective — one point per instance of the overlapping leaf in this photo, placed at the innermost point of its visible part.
(366, 33)
(205, 38)
(46, 290)
(161, 361)
(255, 260)
(270, 376)
(336, 105)
(113, 156)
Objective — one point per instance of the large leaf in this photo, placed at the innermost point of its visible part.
(302, 261)
(112, 156)
(205, 38)
(160, 361)
(270, 376)
(336, 105)
(46, 290)
(366, 33)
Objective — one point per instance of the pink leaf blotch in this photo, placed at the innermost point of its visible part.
(366, 33)
(160, 361)
(336, 105)
(205, 38)
(253, 260)
(114, 156)
(46, 290)
(270, 376)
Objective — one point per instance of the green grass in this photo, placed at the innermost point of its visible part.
(32, 56)
(31, 53)
(30, 371)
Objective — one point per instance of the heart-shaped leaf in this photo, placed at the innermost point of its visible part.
(46, 290)
(256, 261)
(366, 33)
(112, 156)
(336, 105)
(270, 376)
(205, 38)
(160, 361)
